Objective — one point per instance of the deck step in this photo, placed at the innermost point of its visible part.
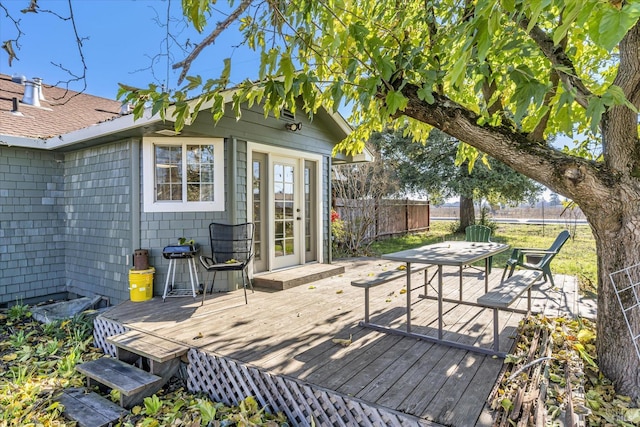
(149, 346)
(89, 409)
(298, 276)
(133, 383)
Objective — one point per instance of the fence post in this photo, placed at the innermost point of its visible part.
(406, 216)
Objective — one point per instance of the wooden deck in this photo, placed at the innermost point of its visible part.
(289, 333)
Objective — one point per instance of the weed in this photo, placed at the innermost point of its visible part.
(20, 338)
(19, 374)
(152, 405)
(18, 312)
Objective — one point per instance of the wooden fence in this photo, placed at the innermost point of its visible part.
(381, 218)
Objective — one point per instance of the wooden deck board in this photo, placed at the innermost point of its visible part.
(290, 333)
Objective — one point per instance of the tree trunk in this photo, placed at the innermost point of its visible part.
(467, 212)
(618, 247)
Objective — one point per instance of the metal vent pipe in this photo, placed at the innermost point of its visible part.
(31, 96)
(38, 83)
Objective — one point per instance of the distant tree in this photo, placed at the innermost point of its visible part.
(431, 168)
(554, 199)
(359, 189)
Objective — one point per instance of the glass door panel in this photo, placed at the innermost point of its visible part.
(259, 195)
(286, 218)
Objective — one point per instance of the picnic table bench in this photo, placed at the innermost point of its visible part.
(384, 277)
(503, 296)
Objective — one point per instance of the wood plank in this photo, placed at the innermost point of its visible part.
(148, 345)
(512, 287)
(380, 368)
(300, 276)
(118, 375)
(89, 409)
(393, 374)
(386, 276)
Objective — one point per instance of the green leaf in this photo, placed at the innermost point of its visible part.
(507, 404)
(595, 110)
(509, 5)
(426, 94)
(226, 72)
(218, 107)
(614, 24)
(195, 10)
(615, 96)
(457, 73)
(483, 39)
(571, 11)
(585, 355)
(395, 101)
(287, 70)
(336, 94)
(194, 82)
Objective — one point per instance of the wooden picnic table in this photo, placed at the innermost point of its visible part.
(448, 253)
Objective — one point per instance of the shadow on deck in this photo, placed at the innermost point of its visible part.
(280, 349)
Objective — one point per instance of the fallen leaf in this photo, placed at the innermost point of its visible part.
(197, 337)
(402, 267)
(403, 291)
(9, 357)
(339, 291)
(312, 287)
(343, 342)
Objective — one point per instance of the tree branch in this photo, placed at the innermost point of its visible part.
(560, 62)
(570, 176)
(185, 64)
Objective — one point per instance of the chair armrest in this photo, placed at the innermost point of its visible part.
(538, 252)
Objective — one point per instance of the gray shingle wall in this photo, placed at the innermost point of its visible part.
(163, 229)
(31, 220)
(98, 221)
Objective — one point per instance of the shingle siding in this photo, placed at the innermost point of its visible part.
(31, 224)
(98, 220)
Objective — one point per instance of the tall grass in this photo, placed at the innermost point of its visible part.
(577, 257)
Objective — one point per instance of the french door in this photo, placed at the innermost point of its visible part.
(284, 205)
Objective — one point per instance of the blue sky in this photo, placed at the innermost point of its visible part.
(119, 38)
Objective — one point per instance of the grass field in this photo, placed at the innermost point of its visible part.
(577, 257)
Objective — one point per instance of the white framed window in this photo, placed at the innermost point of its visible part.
(183, 174)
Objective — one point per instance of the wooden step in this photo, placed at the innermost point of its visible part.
(89, 409)
(149, 346)
(133, 383)
(292, 277)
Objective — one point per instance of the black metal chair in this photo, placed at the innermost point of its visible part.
(536, 259)
(231, 250)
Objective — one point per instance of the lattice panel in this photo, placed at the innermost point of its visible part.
(102, 329)
(626, 283)
(228, 381)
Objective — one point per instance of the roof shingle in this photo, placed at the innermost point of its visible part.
(63, 111)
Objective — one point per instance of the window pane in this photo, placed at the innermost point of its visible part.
(168, 167)
(200, 180)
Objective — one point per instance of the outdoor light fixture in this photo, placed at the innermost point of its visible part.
(293, 126)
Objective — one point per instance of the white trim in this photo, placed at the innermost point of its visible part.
(301, 156)
(148, 176)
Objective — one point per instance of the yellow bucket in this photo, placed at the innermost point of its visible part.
(141, 284)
